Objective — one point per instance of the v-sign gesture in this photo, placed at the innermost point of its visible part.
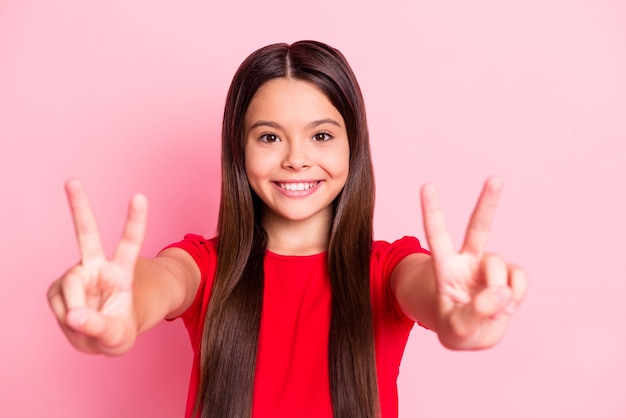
(93, 301)
(476, 291)
(465, 296)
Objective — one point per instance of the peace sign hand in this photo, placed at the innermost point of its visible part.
(476, 291)
(93, 301)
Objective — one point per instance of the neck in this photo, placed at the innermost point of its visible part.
(299, 237)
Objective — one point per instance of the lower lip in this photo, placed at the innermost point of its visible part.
(298, 193)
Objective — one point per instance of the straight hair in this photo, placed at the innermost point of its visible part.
(232, 323)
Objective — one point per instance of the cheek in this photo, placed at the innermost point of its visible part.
(257, 164)
(340, 163)
(258, 170)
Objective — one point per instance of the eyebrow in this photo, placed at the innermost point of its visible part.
(309, 125)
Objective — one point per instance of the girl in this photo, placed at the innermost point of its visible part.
(292, 308)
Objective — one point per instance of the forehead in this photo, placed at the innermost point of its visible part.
(289, 98)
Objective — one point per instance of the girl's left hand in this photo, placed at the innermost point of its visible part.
(476, 291)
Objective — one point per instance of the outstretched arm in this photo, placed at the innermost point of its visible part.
(103, 304)
(466, 296)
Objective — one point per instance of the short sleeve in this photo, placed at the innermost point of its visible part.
(204, 253)
(385, 258)
(391, 326)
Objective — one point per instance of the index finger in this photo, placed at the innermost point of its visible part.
(482, 217)
(87, 233)
(434, 224)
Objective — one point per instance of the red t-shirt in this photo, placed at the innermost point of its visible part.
(292, 362)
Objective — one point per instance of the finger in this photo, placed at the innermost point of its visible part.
(498, 297)
(492, 302)
(87, 321)
(495, 271)
(77, 339)
(107, 333)
(87, 233)
(434, 224)
(482, 217)
(486, 307)
(133, 235)
(57, 304)
(84, 327)
(518, 281)
(73, 288)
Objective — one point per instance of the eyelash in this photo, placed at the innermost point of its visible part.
(325, 136)
(265, 138)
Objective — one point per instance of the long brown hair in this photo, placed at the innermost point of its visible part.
(231, 330)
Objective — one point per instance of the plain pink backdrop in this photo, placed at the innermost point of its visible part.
(128, 95)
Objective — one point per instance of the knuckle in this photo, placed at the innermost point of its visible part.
(53, 290)
(57, 305)
(73, 275)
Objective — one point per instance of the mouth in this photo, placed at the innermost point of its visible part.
(298, 186)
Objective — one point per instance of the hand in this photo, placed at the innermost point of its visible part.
(476, 291)
(93, 301)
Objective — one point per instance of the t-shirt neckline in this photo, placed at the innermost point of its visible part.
(291, 257)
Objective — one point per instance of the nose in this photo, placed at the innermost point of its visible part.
(297, 156)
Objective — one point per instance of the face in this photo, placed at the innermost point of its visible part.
(296, 151)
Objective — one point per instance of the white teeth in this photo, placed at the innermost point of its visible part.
(297, 186)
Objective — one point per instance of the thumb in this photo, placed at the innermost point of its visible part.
(86, 321)
(492, 302)
(108, 335)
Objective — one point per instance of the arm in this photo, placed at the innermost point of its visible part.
(164, 287)
(103, 304)
(465, 297)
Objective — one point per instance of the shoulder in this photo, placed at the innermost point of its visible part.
(202, 254)
(385, 258)
(202, 250)
(387, 255)
(406, 242)
(196, 241)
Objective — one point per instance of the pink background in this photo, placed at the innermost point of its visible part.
(128, 95)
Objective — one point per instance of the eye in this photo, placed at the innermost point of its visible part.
(269, 138)
(322, 137)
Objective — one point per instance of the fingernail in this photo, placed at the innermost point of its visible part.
(77, 318)
(501, 295)
(510, 308)
(497, 315)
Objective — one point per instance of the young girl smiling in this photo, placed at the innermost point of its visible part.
(292, 309)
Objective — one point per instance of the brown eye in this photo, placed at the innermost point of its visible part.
(269, 138)
(322, 137)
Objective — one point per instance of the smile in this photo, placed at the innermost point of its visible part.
(298, 186)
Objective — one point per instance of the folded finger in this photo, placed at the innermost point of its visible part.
(106, 333)
(56, 301)
(495, 271)
(492, 302)
(87, 321)
(518, 282)
(72, 287)
(485, 308)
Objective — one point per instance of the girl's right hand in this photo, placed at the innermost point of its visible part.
(93, 301)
